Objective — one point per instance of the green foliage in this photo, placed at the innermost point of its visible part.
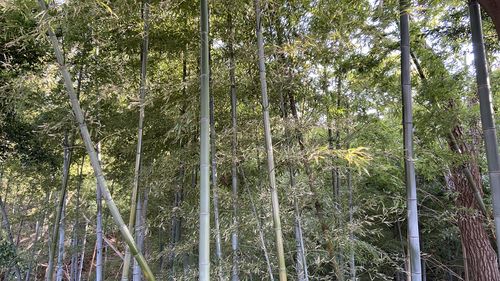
(335, 63)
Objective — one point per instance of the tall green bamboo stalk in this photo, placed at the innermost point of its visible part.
(411, 187)
(234, 150)
(204, 243)
(269, 146)
(92, 152)
(138, 155)
(60, 207)
(215, 189)
(486, 108)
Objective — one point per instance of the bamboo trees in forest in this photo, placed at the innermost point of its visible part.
(91, 150)
(411, 188)
(138, 156)
(204, 235)
(486, 108)
(329, 84)
(269, 145)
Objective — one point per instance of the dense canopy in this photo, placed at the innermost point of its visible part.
(249, 140)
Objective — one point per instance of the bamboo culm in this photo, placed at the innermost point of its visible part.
(486, 110)
(92, 153)
(204, 235)
(234, 150)
(259, 227)
(99, 228)
(269, 146)
(60, 206)
(138, 155)
(38, 228)
(411, 188)
(215, 188)
(60, 252)
(136, 272)
(301, 264)
(352, 261)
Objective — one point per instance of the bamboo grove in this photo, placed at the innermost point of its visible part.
(249, 140)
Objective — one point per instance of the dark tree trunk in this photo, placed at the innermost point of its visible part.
(481, 257)
(492, 8)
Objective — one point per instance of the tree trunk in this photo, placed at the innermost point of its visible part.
(269, 146)
(77, 110)
(492, 8)
(481, 258)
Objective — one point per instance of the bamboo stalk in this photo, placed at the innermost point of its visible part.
(92, 153)
(486, 110)
(138, 155)
(411, 188)
(269, 146)
(204, 242)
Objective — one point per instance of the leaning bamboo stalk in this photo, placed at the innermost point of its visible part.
(269, 146)
(92, 153)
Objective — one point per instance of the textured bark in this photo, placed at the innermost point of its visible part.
(492, 8)
(481, 257)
